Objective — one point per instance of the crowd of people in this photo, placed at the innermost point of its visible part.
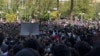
(53, 40)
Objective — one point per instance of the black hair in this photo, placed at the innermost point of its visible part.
(82, 47)
(61, 50)
(32, 43)
(17, 48)
(74, 52)
(94, 52)
(1, 38)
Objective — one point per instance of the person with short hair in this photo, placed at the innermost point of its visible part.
(61, 50)
(31, 48)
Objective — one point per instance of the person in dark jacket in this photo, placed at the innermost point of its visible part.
(82, 47)
(1, 41)
(61, 50)
(94, 52)
(31, 48)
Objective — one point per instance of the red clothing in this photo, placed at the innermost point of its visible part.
(56, 37)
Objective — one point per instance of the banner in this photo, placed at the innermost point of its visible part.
(29, 29)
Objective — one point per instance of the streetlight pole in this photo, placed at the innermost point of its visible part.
(1, 15)
(17, 15)
(99, 15)
(22, 3)
(49, 15)
(82, 16)
(9, 4)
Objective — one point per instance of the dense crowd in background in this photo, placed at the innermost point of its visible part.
(54, 40)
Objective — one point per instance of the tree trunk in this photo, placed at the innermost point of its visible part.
(71, 9)
(58, 9)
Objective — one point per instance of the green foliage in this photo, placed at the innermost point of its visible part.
(53, 15)
(10, 17)
(64, 8)
(44, 17)
(97, 10)
(40, 8)
(82, 6)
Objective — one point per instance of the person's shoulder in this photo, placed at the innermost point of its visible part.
(25, 52)
(5, 54)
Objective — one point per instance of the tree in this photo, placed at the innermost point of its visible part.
(63, 9)
(38, 8)
(82, 6)
(97, 10)
(10, 17)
